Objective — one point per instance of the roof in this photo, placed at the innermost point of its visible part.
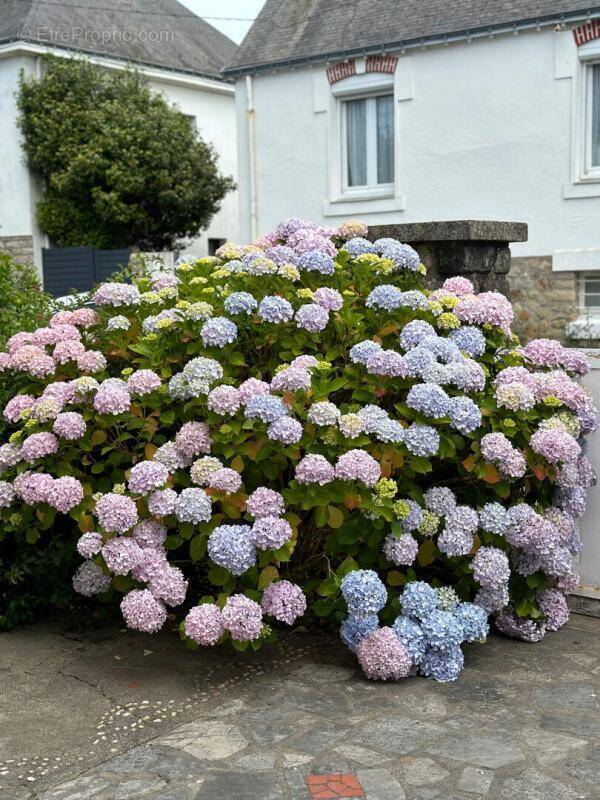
(289, 32)
(159, 33)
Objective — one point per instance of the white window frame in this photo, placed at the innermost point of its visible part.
(587, 311)
(589, 170)
(371, 188)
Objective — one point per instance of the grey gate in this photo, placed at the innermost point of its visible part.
(79, 268)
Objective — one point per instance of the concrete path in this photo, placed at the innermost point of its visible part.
(116, 715)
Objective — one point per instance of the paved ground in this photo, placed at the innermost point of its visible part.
(115, 716)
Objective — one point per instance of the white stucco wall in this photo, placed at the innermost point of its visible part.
(484, 130)
(18, 192)
(216, 124)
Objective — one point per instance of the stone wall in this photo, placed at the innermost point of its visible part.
(544, 301)
(19, 247)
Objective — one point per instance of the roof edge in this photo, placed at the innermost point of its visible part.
(218, 77)
(418, 42)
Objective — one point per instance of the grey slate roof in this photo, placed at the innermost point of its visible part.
(135, 29)
(295, 31)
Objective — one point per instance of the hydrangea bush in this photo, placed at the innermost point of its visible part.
(299, 427)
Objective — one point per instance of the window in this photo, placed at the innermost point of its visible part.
(368, 144)
(589, 294)
(214, 244)
(593, 119)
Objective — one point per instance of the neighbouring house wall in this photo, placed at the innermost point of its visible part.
(543, 300)
(484, 130)
(215, 120)
(18, 190)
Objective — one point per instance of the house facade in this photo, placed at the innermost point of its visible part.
(180, 55)
(470, 110)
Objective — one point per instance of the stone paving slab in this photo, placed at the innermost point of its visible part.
(112, 715)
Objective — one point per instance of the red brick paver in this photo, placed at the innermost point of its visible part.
(329, 787)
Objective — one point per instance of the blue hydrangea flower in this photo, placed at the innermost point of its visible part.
(358, 246)
(240, 303)
(442, 630)
(266, 407)
(422, 440)
(201, 368)
(442, 665)
(384, 296)
(469, 339)
(418, 600)
(372, 418)
(354, 629)
(389, 431)
(417, 361)
(403, 256)
(411, 636)
(363, 592)
(218, 332)
(440, 500)
(316, 261)
(231, 546)
(414, 299)
(444, 350)
(275, 309)
(361, 352)
(493, 518)
(474, 621)
(379, 245)
(428, 398)
(464, 414)
(415, 516)
(281, 254)
(414, 332)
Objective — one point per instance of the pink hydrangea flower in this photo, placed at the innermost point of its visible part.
(65, 494)
(15, 407)
(69, 350)
(264, 502)
(242, 617)
(150, 534)
(91, 361)
(143, 382)
(251, 387)
(147, 476)
(70, 425)
(193, 439)
(89, 544)
(284, 601)
(39, 445)
(225, 480)
(458, 285)
(121, 554)
(116, 513)
(142, 611)
(314, 469)
(162, 502)
(112, 397)
(358, 465)
(34, 487)
(382, 657)
(204, 624)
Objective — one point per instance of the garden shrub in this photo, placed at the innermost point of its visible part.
(299, 427)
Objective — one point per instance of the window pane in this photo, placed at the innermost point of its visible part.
(596, 115)
(356, 142)
(385, 139)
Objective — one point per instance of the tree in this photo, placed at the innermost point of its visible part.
(120, 167)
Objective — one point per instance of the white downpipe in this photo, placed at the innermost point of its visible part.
(252, 154)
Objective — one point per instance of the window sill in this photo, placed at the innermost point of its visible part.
(363, 204)
(583, 328)
(587, 187)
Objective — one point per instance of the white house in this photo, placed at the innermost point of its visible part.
(181, 56)
(413, 111)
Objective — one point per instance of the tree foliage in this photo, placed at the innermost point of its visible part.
(120, 166)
